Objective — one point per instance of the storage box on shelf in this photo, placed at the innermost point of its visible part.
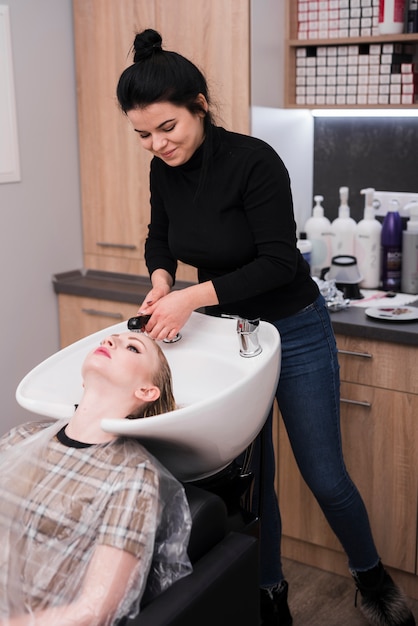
(336, 58)
(379, 404)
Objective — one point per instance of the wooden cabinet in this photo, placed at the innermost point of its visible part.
(379, 410)
(378, 363)
(80, 316)
(114, 167)
(312, 93)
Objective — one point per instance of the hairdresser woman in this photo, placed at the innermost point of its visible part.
(221, 202)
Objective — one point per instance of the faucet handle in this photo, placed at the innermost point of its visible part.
(248, 337)
(247, 326)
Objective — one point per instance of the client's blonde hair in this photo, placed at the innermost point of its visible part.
(163, 380)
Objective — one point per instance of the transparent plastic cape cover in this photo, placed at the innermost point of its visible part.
(86, 533)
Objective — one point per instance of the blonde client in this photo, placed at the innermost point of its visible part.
(83, 521)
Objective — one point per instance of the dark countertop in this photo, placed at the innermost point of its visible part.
(127, 288)
(105, 285)
(354, 322)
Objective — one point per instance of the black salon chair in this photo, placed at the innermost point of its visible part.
(223, 548)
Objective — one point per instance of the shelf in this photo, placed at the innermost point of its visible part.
(293, 87)
(305, 43)
(389, 107)
(331, 80)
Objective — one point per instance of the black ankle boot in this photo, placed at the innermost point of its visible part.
(382, 602)
(274, 610)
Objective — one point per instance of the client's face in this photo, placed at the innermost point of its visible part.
(127, 360)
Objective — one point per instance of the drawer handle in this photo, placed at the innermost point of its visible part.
(364, 355)
(368, 405)
(123, 246)
(115, 316)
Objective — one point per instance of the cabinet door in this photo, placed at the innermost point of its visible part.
(114, 184)
(380, 447)
(378, 363)
(80, 316)
(215, 35)
(114, 167)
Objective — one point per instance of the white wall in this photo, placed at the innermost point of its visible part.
(290, 133)
(40, 216)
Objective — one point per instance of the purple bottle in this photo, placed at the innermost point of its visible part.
(391, 250)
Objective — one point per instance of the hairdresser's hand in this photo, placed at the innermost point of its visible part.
(169, 314)
(161, 286)
(151, 298)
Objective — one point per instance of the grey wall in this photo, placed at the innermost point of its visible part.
(267, 53)
(40, 216)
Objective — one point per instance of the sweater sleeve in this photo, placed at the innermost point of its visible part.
(268, 206)
(157, 251)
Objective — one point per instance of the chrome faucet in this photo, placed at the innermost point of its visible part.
(247, 335)
(247, 330)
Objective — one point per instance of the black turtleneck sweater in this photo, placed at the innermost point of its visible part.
(238, 229)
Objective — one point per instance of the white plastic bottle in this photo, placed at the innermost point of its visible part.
(368, 244)
(318, 231)
(343, 228)
(409, 272)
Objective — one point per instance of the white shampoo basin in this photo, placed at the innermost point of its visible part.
(223, 398)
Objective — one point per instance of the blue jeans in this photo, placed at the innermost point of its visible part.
(308, 395)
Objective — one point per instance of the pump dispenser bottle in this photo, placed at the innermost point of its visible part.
(318, 231)
(409, 273)
(392, 249)
(343, 228)
(367, 242)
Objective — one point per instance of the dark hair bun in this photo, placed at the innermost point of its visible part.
(146, 43)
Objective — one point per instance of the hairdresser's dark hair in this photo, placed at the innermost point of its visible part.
(159, 75)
